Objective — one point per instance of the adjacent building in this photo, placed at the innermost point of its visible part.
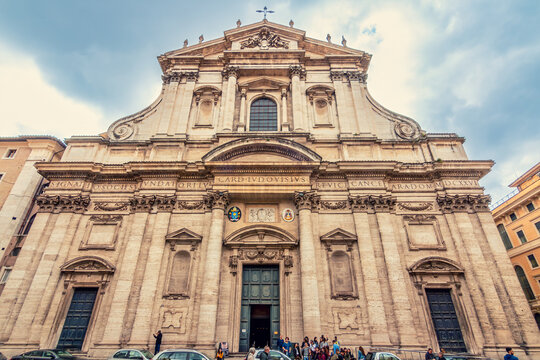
(518, 221)
(20, 183)
(265, 192)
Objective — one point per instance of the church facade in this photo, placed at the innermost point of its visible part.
(265, 192)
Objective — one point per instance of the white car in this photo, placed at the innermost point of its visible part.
(273, 355)
(180, 354)
(381, 356)
(133, 354)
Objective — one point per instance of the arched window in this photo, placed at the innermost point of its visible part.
(263, 115)
(178, 282)
(504, 236)
(524, 283)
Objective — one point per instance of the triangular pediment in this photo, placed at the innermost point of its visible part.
(183, 235)
(338, 235)
(263, 83)
(263, 36)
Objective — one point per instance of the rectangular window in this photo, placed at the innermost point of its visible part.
(513, 217)
(10, 153)
(533, 261)
(5, 276)
(530, 206)
(521, 236)
(537, 226)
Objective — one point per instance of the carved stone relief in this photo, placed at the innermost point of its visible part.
(346, 320)
(372, 204)
(173, 320)
(264, 215)
(265, 39)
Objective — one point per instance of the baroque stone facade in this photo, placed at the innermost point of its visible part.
(265, 177)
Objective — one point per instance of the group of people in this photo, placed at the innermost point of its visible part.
(431, 356)
(318, 349)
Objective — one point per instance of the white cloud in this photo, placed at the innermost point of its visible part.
(31, 106)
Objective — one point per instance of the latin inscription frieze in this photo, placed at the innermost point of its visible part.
(331, 185)
(366, 184)
(262, 180)
(67, 184)
(114, 187)
(158, 184)
(193, 185)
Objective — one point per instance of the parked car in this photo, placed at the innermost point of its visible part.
(381, 356)
(45, 354)
(134, 354)
(180, 354)
(273, 355)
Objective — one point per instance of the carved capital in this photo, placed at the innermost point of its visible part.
(464, 203)
(146, 203)
(336, 75)
(357, 76)
(217, 199)
(306, 200)
(230, 71)
(191, 75)
(297, 70)
(63, 203)
(372, 204)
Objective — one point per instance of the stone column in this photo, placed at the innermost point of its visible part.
(242, 121)
(295, 73)
(285, 125)
(231, 73)
(310, 295)
(375, 304)
(217, 201)
(187, 97)
(357, 80)
(344, 109)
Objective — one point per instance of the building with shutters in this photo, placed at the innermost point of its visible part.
(518, 221)
(265, 192)
(20, 183)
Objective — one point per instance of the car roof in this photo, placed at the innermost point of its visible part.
(186, 350)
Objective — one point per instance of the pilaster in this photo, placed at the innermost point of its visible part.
(377, 317)
(231, 73)
(311, 314)
(191, 78)
(296, 72)
(217, 201)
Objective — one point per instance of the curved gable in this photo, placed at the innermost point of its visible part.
(250, 146)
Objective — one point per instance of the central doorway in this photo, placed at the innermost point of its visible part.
(259, 315)
(259, 330)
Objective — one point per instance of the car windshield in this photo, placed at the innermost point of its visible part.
(63, 353)
(147, 354)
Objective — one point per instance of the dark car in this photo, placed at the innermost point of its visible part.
(46, 354)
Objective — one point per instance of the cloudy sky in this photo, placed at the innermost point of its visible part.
(470, 67)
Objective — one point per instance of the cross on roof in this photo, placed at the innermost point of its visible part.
(265, 11)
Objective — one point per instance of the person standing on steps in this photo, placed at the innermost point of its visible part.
(158, 337)
(510, 354)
